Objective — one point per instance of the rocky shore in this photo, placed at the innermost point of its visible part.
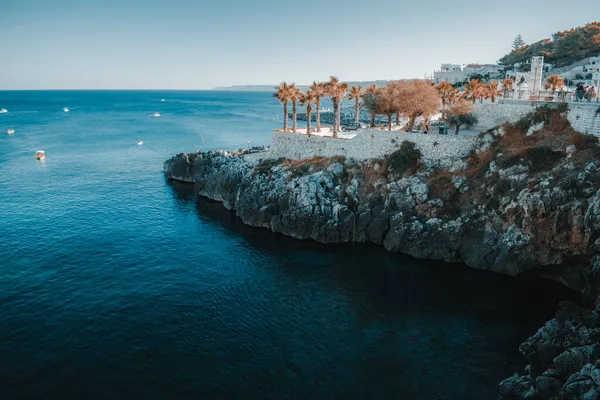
(528, 199)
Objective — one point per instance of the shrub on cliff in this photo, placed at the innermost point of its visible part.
(546, 113)
(479, 163)
(582, 141)
(265, 165)
(541, 158)
(405, 159)
(441, 185)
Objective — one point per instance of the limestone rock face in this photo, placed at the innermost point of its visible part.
(541, 223)
(563, 354)
(179, 168)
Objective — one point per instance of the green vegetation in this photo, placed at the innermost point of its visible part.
(405, 159)
(518, 42)
(541, 158)
(562, 49)
(265, 165)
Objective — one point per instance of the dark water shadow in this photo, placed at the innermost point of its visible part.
(396, 312)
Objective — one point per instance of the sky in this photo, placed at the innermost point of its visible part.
(199, 44)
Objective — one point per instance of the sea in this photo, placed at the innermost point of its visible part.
(117, 284)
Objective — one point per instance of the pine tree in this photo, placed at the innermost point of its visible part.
(518, 42)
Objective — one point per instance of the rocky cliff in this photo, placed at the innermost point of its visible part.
(527, 199)
(564, 354)
(517, 222)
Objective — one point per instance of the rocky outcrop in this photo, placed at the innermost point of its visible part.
(512, 224)
(563, 354)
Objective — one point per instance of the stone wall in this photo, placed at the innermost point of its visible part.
(371, 143)
(584, 117)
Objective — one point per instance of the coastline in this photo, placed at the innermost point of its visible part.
(538, 212)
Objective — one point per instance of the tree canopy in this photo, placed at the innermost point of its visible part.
(518, 42)
(563, 48)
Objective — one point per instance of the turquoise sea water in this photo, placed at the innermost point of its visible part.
(115, 284)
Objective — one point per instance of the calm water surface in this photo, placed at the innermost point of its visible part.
(115, 284)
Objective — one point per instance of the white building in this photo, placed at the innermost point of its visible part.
(452, 73)
(488, 70)
(456, 73)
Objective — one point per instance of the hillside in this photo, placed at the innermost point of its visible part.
(563, 48)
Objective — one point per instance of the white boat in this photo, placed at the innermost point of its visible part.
(40, 155)
(156, 114)
(140, 143)
(3, 110)
(10, 131)
(163, 100)
(65, 109)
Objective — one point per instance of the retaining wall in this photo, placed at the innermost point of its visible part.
(584, 117)
(371, 143)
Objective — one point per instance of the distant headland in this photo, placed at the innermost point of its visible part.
(269, 88)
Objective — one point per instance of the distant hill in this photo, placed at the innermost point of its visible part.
(271, 88)
(563, 48)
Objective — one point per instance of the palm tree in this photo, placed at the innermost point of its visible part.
(295, 94)
(336, 90)
(507, 84)
(320, 91)
(282, 93)
(371, 101)
(448, 94)
(492, 91)
(307, 100)
(473, 90)
(355, 93)
(554, 82)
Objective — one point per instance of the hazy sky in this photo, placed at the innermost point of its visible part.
(199, 44)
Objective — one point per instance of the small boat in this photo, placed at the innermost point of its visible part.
(156, 114)
(40, 155)
(3, 110)
(10, 131)
(140, 143)
(65, 109)
(163, 100)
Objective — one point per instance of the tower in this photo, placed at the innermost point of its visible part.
(537, 66)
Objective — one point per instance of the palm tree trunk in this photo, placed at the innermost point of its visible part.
(294, 114)
(356, 111)
(372, 120)
(335, 110)
(338, 116)
(318, 104)
(285, 116)
(308, 115)
(389, 122)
